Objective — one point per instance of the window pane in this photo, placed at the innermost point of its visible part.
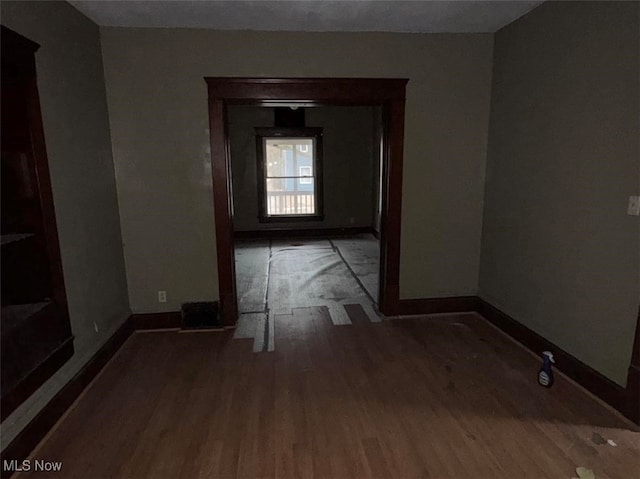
(284, 156)
(290, 181)
(290, 197)
(277, 157)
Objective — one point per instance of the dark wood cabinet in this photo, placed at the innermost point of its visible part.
(35, 331)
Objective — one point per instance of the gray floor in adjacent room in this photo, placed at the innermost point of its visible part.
(362, 253)
(276, 276)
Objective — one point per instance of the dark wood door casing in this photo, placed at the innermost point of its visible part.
(387, 93)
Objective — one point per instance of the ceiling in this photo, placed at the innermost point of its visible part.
(310, 15)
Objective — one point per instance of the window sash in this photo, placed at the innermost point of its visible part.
(287, 189)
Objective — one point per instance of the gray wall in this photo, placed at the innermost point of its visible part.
(74, 110)
(159, 124)
(559, 252)
(347, 163)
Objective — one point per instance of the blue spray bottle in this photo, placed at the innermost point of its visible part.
(545, 375)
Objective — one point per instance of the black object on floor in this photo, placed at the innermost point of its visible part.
(201, 315)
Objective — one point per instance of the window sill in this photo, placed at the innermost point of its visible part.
(290, 218)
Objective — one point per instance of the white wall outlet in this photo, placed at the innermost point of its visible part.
(162, 296)
(633, 208)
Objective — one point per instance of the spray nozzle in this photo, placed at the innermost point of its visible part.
(549, 355)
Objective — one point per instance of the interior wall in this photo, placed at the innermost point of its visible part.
(347, 166)
(559, 252)
(76, 128)
(159, 122)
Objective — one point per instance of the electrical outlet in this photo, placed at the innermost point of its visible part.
(162, 296)
(633, 208)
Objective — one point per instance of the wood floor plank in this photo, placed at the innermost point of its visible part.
(434, 397)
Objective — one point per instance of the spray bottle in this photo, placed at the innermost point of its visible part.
(545, 375)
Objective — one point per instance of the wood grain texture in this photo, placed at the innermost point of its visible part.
(418, 397)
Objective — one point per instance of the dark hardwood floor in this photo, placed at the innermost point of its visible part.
(445, 397)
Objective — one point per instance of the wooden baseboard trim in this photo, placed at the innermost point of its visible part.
(602, 387)
(301, 233)
(36, 378)
(453, 304)
(20, 448)
(169, 320)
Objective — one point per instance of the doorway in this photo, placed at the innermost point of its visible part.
(388, 94)
(305, 187)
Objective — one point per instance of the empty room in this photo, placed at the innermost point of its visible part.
(337, 239)
(306, 201)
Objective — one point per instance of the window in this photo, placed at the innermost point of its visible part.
(289, 173)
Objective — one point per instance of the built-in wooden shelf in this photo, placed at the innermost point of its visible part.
(12, 238)
(13, 314)
(35, 331)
